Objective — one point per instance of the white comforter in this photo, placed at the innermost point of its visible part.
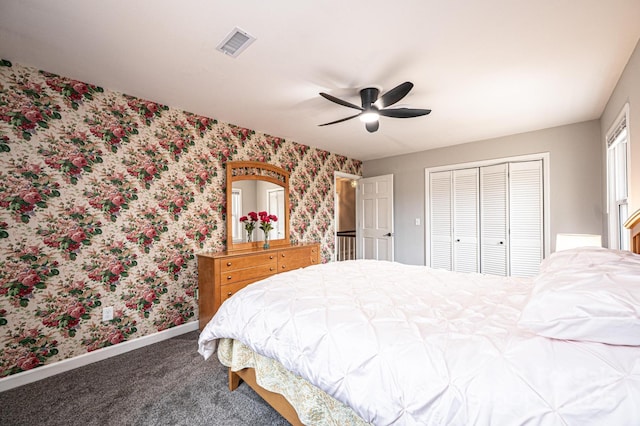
(412, 345)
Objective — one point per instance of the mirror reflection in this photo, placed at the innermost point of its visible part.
(256, 196)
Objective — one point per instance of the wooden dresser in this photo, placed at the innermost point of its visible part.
(222, 274)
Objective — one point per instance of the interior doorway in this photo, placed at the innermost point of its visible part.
(345, 216)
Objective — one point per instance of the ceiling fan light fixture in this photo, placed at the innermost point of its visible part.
(369, 116)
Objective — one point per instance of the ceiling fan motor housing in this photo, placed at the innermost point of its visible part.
(368, 95)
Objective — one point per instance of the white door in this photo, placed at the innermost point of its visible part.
(497, 228)
(466, 251)
(374, 222)
(494, 217)
(454, 220)
(526, 238)
(441, 217)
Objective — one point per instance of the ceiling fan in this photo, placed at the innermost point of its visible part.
(374, 107)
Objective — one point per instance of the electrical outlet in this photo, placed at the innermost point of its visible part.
(107, 313)
(417, 221)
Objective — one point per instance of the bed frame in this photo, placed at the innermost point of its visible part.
(282, 406)
(275, 400)
(633, 224)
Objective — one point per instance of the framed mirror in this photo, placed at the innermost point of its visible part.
(254, 187)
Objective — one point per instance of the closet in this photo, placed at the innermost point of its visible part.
(487, 219)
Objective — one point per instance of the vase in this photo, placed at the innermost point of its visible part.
(249, 236)
(266, 241)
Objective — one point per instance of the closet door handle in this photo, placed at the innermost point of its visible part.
(458, 240)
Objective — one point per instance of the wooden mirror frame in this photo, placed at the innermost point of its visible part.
(255, 170)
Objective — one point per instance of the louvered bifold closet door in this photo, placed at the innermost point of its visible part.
(441, 223)
(465, 222)
(494, 219)
(526, 217)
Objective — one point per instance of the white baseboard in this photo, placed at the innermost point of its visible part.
(40, 373)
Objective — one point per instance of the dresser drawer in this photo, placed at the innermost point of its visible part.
(253, 273)
(228, 290)
(292, 264)
(299, 258)
(231, 264)
(304, 252)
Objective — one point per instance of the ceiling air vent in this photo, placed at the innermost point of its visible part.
(235, 42)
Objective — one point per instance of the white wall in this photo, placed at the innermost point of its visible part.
(576, 174)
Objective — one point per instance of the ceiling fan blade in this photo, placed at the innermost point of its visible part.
(404, 112)
(339, 121)
(395, 94)
(372, 126)
(339, 101)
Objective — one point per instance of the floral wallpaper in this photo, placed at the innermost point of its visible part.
(104, 201)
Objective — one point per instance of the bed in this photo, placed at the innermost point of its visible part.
(371, 342)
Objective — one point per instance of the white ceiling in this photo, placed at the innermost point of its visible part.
(486, 68)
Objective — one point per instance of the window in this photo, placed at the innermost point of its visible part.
(617, 181)
(236, 204)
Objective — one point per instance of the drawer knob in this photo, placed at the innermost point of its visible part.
(271, 269)
(229, 294)
(271, 257)
(228, 263)
(283, 266)
(282, 255)
(228, 277)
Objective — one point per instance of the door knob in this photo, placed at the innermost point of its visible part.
(388, 234)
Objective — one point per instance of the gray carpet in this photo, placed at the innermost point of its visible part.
(167, 383)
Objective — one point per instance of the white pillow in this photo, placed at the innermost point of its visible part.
(590, 294)
(586, 257)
